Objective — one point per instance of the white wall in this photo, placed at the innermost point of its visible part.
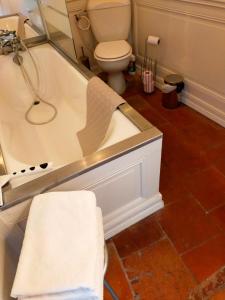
(82, 38)
(55, 13)
(10, 6)
(26, 7)
(192, 36)
(15, 6)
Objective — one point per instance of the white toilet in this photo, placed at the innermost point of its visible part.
(110, 23)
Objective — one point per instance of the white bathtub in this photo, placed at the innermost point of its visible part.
(131, 177)
(124, 173)
(24, 144)
(11, 23)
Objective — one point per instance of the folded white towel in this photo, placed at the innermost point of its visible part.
(62, 254)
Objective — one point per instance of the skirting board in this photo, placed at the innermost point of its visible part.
(131, 214)
(198, 97)
(204, 108)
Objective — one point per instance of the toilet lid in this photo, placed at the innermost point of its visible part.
(112, 50)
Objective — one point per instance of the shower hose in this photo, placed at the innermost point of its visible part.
(37, 98)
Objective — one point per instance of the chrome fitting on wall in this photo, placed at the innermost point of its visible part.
(9, 42)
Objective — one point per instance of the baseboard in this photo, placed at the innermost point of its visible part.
(204, 108)
(202, 99)
(131, 214)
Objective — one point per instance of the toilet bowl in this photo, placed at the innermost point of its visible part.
(113, 57)
(110, 23)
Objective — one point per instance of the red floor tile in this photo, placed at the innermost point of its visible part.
(206, 259)
(155, 100)
(217, 156)
(171, 180)
(209, 287)
(219, 296)
(157, 273)
(218, 215)
(186, 224)
(116, 276)
(208, 186)
(138, 103)
(174, 193)
(153, 117)
(184, 117)
(172, 184)
(137, 237)
(180, 155)
(134, 86)
(187, 158)
(206, 136)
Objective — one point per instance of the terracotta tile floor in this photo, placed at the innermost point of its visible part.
(176, 250)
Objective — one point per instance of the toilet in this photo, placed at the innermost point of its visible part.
(110, 23)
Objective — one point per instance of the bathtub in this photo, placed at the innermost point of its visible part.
(123, 173)
(57, 142)
(11, 23)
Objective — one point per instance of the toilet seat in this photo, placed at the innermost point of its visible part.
(113, 50)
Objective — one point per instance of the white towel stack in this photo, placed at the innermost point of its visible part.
(63, 250)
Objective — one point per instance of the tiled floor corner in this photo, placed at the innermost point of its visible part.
(157, 272)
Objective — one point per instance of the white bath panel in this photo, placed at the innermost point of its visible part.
(131, 214)
(127, 188)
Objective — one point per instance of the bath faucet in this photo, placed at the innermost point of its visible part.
(9, 42)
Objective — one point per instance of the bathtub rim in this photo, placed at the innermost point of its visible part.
(148, 134)
(44, 183)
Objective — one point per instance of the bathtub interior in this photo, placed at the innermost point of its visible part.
(61, 84)
(11, 23)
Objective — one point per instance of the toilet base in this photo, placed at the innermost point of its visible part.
(117, 82)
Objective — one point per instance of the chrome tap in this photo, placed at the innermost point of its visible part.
(9, 42)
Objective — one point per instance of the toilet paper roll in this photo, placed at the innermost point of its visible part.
(153, 40)
(148, 81)
(147, 76)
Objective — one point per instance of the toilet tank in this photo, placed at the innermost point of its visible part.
(110, 19)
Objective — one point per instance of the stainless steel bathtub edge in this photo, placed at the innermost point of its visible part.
(12, 197)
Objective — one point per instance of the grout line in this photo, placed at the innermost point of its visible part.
(123, 269)
(142, 249)
(216, 207)
(183, 263)
(198, 203)
(202, 243)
